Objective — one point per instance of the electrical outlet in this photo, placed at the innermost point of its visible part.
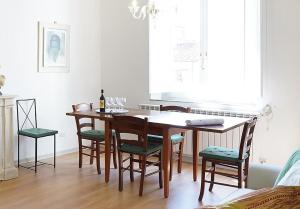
(61, 134)
(262, 160)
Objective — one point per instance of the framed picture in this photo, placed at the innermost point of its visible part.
(54, 48)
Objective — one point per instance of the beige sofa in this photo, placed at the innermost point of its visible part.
(260, 176)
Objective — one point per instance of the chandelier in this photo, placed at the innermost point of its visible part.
(142, 12)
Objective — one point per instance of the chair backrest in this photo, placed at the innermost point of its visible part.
(133, 126)
(175, 108)
(26, 107)
(78, 119)
(247, 137)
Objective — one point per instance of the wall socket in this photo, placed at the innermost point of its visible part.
(262, 160)
(61, 134)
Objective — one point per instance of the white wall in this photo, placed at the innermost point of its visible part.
(55, 92)
(124, 67)
(124, 53)
(281, 81)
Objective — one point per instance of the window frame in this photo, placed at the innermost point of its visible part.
(162, 97)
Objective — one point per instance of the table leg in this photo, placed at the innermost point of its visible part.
(195, 154)
(166, 155)
(107, 149)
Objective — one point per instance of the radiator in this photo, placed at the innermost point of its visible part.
(230, 139)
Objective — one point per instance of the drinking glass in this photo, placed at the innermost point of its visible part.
(123, 101)
(120, 102)
(113, 102)
(108, 103)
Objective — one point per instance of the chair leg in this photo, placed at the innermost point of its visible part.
(171, 162)
(212, 177)
(54, 155)
(140, 160)
(18, 150)
(142, 175)
(120, 171)
(80, 152)
(202, 180)
(114, 152)
(240, 175)
(35, 156)
(92, 152)
(131, 168)
(246, 172)
(181, 144)
(98, 157)
(160, 169)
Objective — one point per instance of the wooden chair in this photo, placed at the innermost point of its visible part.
(230, 158)
(136, 143)
(175, 139)
(95, 136)
(33, 131)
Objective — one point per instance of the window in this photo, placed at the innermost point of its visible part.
(206, 51)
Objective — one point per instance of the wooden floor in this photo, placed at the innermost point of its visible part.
(68, 187)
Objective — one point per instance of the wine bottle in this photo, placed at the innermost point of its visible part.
(102, 102)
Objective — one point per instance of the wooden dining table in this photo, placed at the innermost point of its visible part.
(165, 124)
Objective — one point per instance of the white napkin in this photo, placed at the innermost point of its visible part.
(205, 122)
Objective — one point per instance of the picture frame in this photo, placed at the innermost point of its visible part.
(53, 47)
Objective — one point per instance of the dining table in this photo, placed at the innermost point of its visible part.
(163, 123)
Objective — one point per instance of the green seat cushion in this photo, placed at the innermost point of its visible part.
(158, 139)
(291, 161)
(37, 132)
(221, 153)
(152, 147)
(93, 134)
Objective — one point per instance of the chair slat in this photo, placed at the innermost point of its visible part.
(84, 125)
(175, 108)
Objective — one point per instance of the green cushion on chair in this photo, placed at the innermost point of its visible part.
(158, 139)
(152, 147)
(221, 153)
(37, 132)
(93, 134)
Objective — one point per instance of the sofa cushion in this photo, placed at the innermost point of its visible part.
(262, 175)
(292, 177)
(291, 161)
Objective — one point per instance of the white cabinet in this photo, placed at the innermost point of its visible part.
(7, 167)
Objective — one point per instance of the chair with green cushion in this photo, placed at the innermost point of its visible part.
(230, 158)
(87, 131)
(132, 139)
(175, 139)
(27, 109)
